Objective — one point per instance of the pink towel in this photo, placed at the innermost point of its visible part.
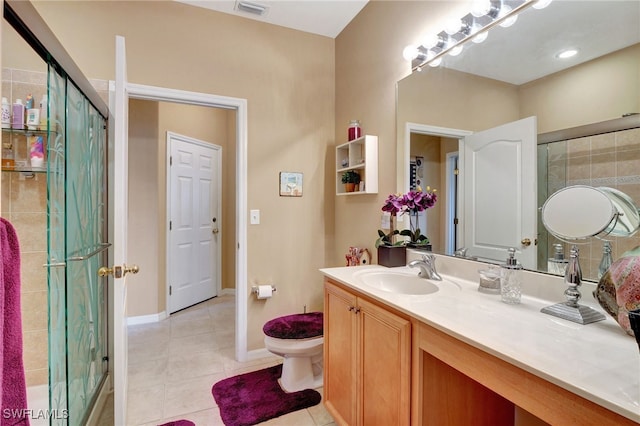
(13, 392)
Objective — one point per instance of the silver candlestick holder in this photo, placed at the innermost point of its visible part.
(571, 310)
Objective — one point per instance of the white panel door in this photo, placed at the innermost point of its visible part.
(500, 192)
(120, 212)
(194, 258)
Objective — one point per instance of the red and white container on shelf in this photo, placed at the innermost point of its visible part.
(355, 131)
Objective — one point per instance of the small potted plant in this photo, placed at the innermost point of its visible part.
(350, 178)
(411, 203)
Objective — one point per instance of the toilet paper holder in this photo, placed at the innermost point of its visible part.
(254, 289)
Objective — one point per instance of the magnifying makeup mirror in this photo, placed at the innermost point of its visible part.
(576, 214)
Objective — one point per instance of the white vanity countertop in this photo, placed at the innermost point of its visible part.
(598, 361)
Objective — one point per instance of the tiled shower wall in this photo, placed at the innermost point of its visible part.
(609, 160)
(24, 204)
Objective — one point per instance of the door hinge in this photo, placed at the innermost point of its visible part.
(456, 172)
(169, 290)
(170, 225)
(171, 160)
(455, 221)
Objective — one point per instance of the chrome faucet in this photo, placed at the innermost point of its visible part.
(427, 267)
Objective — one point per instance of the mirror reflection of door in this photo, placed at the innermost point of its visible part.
(500, 197)
(431, 156)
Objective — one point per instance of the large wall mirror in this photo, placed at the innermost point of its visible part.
(585, 124)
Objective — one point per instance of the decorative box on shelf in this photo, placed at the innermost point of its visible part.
(357, 156)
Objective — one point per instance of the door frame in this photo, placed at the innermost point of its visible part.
(450, 242)
(163, 94)
(173, 135)
(445, 132)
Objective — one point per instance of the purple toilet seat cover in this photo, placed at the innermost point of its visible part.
(298, 326)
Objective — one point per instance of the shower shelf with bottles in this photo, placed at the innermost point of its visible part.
(361, 156)
(16, 147)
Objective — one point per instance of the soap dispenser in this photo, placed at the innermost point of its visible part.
(558, 263)
(511, 279)
(607, 259)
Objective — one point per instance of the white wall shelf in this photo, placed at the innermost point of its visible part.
(360, 155)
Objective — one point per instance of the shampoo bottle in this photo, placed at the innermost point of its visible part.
(43, 112)
(17, 121)
(6, 114)
(511, 279)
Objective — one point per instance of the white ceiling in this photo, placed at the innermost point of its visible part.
(527, 50)
(518, 54)
(323, 17)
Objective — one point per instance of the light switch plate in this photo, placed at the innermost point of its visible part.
(255, 217)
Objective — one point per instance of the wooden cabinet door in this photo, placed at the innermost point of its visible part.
(340, 367)
(384, 357)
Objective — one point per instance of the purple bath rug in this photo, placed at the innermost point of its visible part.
(179, 423)
(255, 397)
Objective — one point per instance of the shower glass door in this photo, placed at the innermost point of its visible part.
(77, 230)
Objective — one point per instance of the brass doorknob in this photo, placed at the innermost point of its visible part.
(104, 271)
(526, 242)
(118, 271)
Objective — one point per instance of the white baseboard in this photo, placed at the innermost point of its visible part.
(258, 354)
(147, 319)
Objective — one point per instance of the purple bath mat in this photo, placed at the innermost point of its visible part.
(179, 423)
(254, 397)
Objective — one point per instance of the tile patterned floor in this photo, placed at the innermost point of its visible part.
(174, 363)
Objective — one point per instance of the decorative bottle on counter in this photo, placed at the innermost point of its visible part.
(557, 264)
(511, 279)
(355, 131)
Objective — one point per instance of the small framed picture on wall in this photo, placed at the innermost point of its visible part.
(290, 184)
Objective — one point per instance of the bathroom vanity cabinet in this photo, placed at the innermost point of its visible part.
(367, 355)
(402, 359)
(361, 156)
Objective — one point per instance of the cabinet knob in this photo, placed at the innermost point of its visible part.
(351, 308)
(356, 310)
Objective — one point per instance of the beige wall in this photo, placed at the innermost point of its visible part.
(599, 90)
(290, 121)
(149, 123)
(293, 125)
(368, 64)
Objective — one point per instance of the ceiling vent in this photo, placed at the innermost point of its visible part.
(252, 8)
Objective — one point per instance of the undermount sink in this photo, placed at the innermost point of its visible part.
(399, 281)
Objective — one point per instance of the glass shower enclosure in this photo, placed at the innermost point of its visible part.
(76, 178)
(78, 353)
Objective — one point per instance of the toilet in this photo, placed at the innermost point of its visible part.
(299, 339)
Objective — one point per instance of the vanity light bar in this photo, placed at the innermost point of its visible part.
(447, 42)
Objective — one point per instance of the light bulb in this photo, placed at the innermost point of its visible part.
(453, 26)
(410, 52)
(456, 50)
(480, 8)
(436, 62)
(429, 40)
(505, 10)
(480, 37)
(541, 4)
